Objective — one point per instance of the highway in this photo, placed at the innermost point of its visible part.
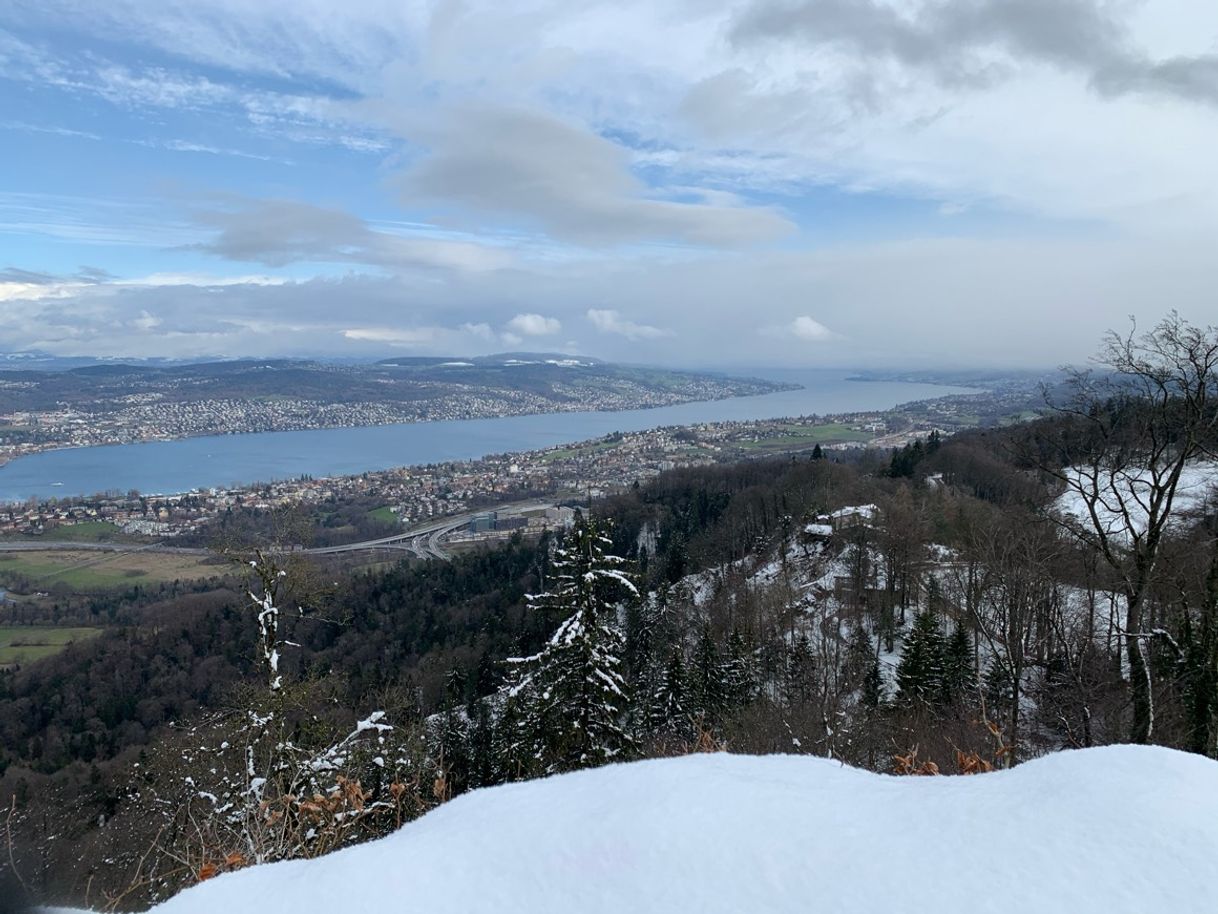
(423, 541)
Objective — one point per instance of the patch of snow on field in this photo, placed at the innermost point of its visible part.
(1194, 492)
(1116, 830)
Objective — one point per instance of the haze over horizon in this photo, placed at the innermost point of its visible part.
(845, 183)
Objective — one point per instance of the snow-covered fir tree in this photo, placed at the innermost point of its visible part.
(667, 713)
(707, 690)
(567, 705)
(920, 672)
(739, 670)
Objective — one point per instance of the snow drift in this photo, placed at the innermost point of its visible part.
(1117, 829)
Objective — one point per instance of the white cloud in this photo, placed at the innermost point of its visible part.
(146, 321)
(606, 320)
(807, 328)
(614, 143)
(534, 325)
(481, 330)
(29, 291)
(391, 335)
(1044, 302)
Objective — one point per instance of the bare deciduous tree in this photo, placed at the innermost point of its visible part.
(1128, 435)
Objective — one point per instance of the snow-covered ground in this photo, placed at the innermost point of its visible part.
(1112, 830)
(1194, 491)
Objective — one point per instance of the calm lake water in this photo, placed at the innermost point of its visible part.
(224, 460)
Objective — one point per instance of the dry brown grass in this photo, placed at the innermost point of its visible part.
(88, 571)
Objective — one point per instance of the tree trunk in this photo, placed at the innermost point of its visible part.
(1139, 686)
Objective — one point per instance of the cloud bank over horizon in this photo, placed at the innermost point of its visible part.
(787, 182)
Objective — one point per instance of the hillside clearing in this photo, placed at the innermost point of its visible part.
(90, 571)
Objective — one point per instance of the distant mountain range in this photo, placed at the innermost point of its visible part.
(38, 360)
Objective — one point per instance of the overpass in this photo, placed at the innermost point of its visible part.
(423, 541)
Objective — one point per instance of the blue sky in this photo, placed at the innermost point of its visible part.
(802, 182)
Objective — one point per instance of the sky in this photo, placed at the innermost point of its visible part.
(836, 183)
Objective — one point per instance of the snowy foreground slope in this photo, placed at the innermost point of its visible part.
(1102, 830)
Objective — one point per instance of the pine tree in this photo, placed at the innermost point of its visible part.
(483, 771)
(640, 633)
(873, 687)
(800, 673)
(959, 675)
(667, 712)
(515, 734)
(676, 557)
(860, 653)
(739, 674)
(708, 692)
(999, 684)
(920, 672)
(570, 700)
(452, 744)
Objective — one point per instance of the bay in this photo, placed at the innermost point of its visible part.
(231, 460)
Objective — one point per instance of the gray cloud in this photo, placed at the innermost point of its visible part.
(572, 183)
(94, 274)
(280, 232)
(26, 277)
(607, 320)
(878, 97)
(977, 42)
(940, 302)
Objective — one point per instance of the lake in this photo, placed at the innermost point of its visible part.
(227, 460)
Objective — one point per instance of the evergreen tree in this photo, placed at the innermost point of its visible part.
(906, 459)
(483, 770)
(817, 453)
(640, 633)
(999, 684)
(667, 712)
(799, 680)
(959, 675)
(860, 653)
(1199, 672)
(452, 742)
(873, 687)
(570, 700)
(515, 735)
(739, 673)
(920, 672)
(708, 693)
(676, 557)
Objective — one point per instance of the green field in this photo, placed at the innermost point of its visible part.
(82, 572)
(797, 437)
(92, 531)
(567, 453)
(384, 515)
(26, 643)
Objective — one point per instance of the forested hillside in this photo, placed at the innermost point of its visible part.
(959, 605)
